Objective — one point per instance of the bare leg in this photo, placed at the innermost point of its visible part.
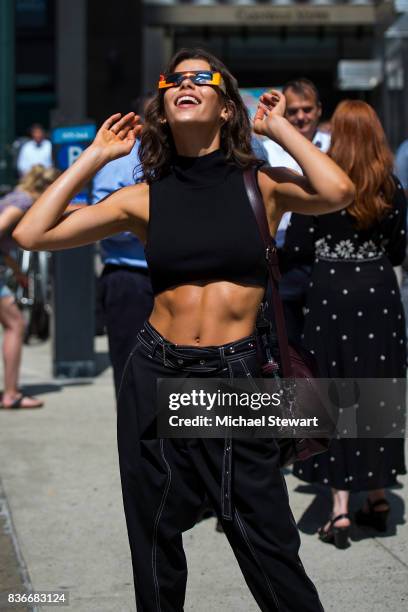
(13, 324)
(340, 506)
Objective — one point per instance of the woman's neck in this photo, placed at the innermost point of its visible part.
(194, 143)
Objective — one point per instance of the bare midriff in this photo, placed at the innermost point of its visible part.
(207, 314)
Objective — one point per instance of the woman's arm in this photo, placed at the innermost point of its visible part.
(324, 188)
(44, 225)
(124, 210)
(9, 218)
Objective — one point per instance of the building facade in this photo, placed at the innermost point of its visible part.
(341, 45)
(78, 60)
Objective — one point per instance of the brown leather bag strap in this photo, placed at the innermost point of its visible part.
(258, 207)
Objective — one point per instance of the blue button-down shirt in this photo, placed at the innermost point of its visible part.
(124, 248)
(401, 163)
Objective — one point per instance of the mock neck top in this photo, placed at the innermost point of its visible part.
(206, 170)
(202, 227)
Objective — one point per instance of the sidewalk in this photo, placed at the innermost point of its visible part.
(59, 472)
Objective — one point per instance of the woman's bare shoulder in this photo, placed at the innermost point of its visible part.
(138, 191)
(134, 200)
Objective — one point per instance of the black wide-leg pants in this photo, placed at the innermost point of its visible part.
(165, 481)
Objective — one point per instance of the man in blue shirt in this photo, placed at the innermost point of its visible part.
(126, 293)
(401, 164)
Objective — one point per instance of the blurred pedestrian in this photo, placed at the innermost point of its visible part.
(355, 319)
(401, 164)
(303, 111)
(37, 150)
(295, 232)
(259, 150)
(12, 208)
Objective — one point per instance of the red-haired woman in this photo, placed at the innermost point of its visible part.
(355, 321)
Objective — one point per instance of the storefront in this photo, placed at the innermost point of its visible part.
(266, 44)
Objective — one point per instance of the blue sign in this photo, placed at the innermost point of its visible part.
(68, 143)
(68, 153)
(74, 133)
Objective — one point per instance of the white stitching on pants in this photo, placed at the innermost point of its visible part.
(285, 488)
(249, 376)
(226, 503)
(156, 526)
(246, 538)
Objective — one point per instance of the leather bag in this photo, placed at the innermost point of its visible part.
(296, 362)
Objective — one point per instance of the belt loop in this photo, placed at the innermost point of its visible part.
(153, 346)
(164, 354)
(222, 355)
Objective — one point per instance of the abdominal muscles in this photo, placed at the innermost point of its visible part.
(206, 314)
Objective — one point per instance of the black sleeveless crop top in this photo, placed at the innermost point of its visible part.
(202, 227)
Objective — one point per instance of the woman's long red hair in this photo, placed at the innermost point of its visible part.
(359, 146)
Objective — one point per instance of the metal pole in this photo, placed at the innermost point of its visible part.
(7, 91)
(71, 61)
(384, 110)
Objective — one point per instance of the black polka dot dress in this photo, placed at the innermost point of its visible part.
(355, 327)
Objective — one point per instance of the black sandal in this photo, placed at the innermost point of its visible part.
(377, 519)
(339, 536)
(18, 403)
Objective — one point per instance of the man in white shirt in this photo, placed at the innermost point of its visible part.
(295, 232)
(37, 150)
(303, 111)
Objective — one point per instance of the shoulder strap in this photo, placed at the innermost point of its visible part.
(258, 207)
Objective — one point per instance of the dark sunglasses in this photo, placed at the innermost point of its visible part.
(198, 77)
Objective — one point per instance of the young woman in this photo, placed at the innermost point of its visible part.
(355, 301)
(208, 272)
(12, 208)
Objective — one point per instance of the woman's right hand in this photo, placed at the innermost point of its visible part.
(271, 104)
(117, 136)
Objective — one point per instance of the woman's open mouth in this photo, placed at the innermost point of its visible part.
(187, 101)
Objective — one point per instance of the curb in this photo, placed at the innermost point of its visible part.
(14, 577)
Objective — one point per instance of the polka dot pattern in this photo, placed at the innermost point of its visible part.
(356, 329)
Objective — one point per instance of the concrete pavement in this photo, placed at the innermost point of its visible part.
(59, 474)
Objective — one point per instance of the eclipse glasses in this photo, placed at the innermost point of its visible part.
(198, 77)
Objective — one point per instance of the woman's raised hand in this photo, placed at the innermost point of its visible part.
(117, 135)
(270, 105)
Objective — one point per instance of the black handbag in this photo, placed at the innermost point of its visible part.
(294, 362)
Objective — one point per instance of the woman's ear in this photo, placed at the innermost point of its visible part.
(226, 113)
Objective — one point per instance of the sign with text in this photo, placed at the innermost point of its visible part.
(68, 143)
(264, 14)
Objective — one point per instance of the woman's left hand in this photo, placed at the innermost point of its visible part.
(270, 105)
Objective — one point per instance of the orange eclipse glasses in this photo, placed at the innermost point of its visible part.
(198, 77)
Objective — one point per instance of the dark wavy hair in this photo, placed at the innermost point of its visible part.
(157, 146)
